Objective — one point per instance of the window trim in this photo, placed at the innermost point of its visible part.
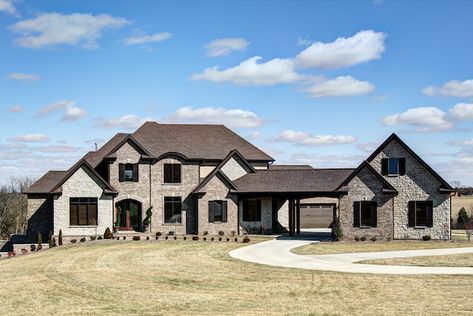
(177, 198)
(425, 210)
(90, 201)
(172, 173)
(360, 210)
(224, 210)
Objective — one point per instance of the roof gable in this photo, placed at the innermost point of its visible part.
(387, 187)
(444, 185)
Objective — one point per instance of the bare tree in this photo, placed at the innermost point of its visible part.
(456, 184)
(13, 206)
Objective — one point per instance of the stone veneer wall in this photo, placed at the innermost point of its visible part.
(258, 226)
(420, 185)
(366, 187)
(82, 184)
(233, 170)
(217, 190)
(40, 216)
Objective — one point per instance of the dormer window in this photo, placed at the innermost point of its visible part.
(172, 173)
(128, 172)
(393, 167)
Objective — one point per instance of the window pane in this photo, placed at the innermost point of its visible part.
(73, 214)
(421, 214)
(92, 214)
(176, 173)
(83, 214)
(365, 214)
(217, 209)
(167, 173)
(250, 211)
(128, 172)
(393, 166)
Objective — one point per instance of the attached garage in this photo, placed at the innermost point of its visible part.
(315, 215)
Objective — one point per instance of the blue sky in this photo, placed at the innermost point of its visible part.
(321, 83)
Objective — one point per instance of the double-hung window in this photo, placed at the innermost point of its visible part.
(172, 209)
(172, 173)
(82, 211)
(365, 214)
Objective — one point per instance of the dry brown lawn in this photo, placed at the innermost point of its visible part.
(369, 246)
(460, 260)
(179, 278)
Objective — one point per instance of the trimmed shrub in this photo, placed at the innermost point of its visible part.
(219, 238)
(363, 238)
(236, 239)
(107, 234)
(175, 238)
(40, 241)
(357, 238)
(228, 239)
(462, 218)
(212, 239)
(195, 238)
(205, 233)
(50, 239)
(73, 241)
(124, 237)
(33, 247)
(166, 237)
(147, 237)
(373, 238)
(426, 238)
(93, 238)
(24, 251)
(185, 238)
(337, 232)
(83, 239)
(233, 233)
(158, 234)
(246, 239)
(157, 237)
(136, 237)
(221, 232)
(204, 239)
(60, 237)
(99, 238)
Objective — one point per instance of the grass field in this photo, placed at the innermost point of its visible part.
(176, 278)
(368, 246)
(461, 260)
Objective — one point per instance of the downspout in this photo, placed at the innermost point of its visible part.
(238, 215)
(150, 220)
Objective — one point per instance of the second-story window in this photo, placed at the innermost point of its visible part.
(172, 173)
(128, 172)
(393, 166)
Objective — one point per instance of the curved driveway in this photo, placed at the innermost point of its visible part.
(277, 252)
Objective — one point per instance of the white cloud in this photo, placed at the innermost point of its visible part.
(8, 7)
(343, 86)
(16, 109)
(52, 29)
(367, 147)
(343, 52)
(33, 138)
(55, 149)
(233, 118)
(424, 119)
(325, 160)
(303, 42)
(253, 136)
(26, 78)
(140, 39)
(224, 46)
(462, 112)
(462, 143)
(71, 111)
(250, 72)
(130, 121)
(454, 88)
(307, 139)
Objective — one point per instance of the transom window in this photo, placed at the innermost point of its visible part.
(252, 210)
(172, 209)
(420, 214)
(365, 214)
(217, 211)
(172, 173)
(82, 211)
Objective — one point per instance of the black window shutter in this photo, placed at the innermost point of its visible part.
(224, 211)
(211, 211)
(135, 172)
(384, 166)
(374, 213)
(411, 216)
(121, 172)
(356, 214)
(402, 166)
(429, 214)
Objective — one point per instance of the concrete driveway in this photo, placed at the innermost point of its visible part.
(277, 252)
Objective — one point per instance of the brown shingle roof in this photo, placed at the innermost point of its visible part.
(292, 180)
(290, 167)
(96, 157)
(46, 183)
(207, 142)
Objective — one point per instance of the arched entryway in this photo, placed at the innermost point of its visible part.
(128, 215)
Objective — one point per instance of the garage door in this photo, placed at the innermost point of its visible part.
(316, 215)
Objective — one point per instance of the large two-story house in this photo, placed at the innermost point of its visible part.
(205, 179)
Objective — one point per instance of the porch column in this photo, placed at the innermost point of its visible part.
(291, 206)
(298, 216)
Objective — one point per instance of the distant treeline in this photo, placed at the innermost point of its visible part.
(465, 191)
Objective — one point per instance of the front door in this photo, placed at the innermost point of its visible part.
(129, 215)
